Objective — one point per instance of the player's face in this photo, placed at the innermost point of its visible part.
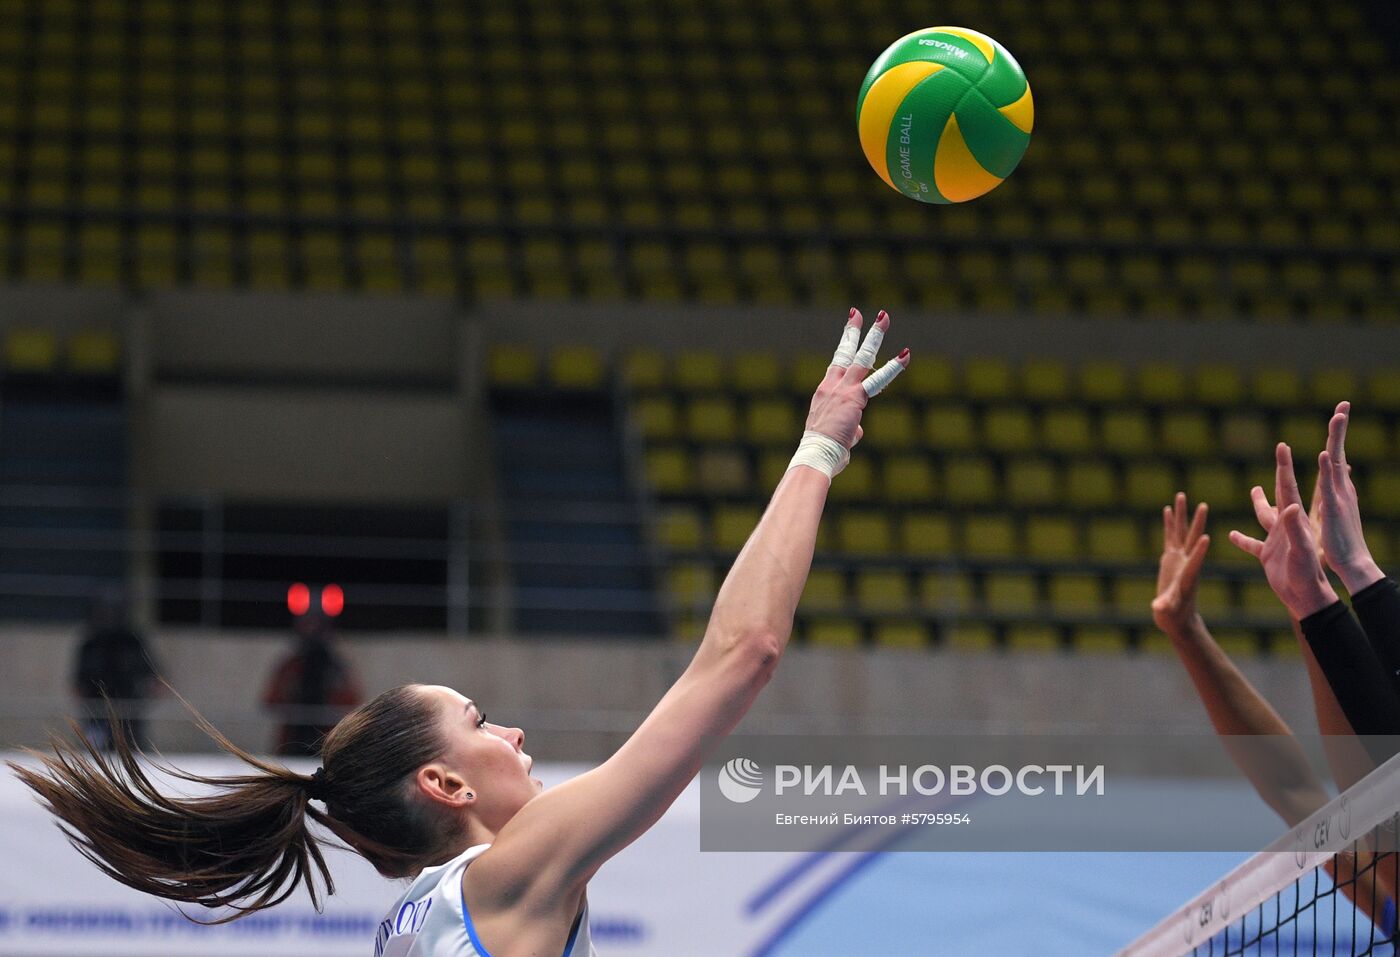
(491, 757)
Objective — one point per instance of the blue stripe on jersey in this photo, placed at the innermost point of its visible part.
(481, 948)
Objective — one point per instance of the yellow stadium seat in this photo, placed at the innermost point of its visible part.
(691, 585)
(1161, 383)
(513, 366)
(1237, 642)
(1045, 380)
(681, 528)
(1103, 382)
(1282, 643)
(1257, 600)
(1187, 432)
(1383, 390)
(1327, 387)
(1076, 594)
(1010, 593)
(1091, 483)
(1367, 439)
(668, 470)
(882, 591)
(926, 535)
(656, 417)
(1132, 596)
(755, 372)
(1052, 537)
(972, 636)
(771, 421)
(1032, 481)
(1127, 432)
(1305, 433)
(900, 633)
(772, 466)
(990, 536)
(1218, 485)
(1008, 428)
(970, 480)
(1033, 637)
(946, 592)
(733, 524)
(950, 427)
(890, 424)
(1276, 387)
(833, 633)
(1148, 485)
(94, 352)
(711, 419)
(863, 532)
(1099, 639)
(908, 478)
(857, 481)
(1115, 539)
(576, 367)
(699, 371)
(1245, 435)
(1214, 597)
(931, 377)
(1218, 385)
(825, 591)
(807, 372)
(1066, 429)
(1380, 491)
(988, 378)
(30, 349)
(722, 471)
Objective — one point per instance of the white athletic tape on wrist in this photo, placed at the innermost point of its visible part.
(870, 348)
(875, 382)
(822, 453)
(846, 351)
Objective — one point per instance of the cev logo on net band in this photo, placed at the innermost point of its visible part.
(740, 780)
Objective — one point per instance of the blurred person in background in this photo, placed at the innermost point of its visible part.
(113, 664)
(311, 688)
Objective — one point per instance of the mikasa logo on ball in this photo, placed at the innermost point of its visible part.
(943, 45)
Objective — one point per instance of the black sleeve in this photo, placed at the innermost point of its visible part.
(1356, 676)
(1378, 608)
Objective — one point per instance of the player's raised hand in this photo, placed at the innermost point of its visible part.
(1179, 570)
(833, 420)
(1288, 552)
(1338, 513)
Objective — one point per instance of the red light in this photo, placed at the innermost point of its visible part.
(332, 600)
(298, 599)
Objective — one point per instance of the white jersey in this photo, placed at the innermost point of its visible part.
(431, 918)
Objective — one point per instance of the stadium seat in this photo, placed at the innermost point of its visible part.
(990, 536)
(668, 470)
(883, 591)
(643, 369)
(1187, 433)
(857, 482)
(513, 366)
(1010, 593)
(1052, 538)
(950, 428)
(681, 528)
(931, 377)
(1245, 435)
(1091, 483)
(1132, 596)
(926, 535)
(946, 592)
(969, 636)
(1032, 482)
(890, 424)
(825, 591)
(1033, 637)
(771, 421)
(733, 524)
(1075, 594)
(864, 532)
(1161, 383)
(1127, 432)
(1148, 485)
(711, 419)
(576, 367)
(30, 350)
(722, 471)
(833, 633)
(1099, 639)
(1045, 380)
(1218, 386)
(1103, 382)
(1115, 539)
(656, 418)
(1008, 428)
(699, 371)
(988, 379)
(908, 479)
(970, 480)
(900, 633)
(691, 584)
(754, 372)
(1066, 430)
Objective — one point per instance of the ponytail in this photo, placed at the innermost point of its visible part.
(248, 844)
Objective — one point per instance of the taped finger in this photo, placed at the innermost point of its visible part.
(875, 383)
(870, 348)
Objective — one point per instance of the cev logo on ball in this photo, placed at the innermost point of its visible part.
(740, 780)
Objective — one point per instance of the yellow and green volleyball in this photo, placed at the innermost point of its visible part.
(945, 114)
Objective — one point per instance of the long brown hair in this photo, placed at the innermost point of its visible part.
(248, 844)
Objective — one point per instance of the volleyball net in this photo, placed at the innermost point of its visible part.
(1327, 887)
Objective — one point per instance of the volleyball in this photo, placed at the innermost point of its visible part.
(945, 114)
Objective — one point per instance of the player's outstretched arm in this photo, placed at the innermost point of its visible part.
(1273, 761)
(559, 839)
(1289, 556)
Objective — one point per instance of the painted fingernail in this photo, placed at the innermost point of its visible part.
(853, 313)
(883, 315)
(903, 353)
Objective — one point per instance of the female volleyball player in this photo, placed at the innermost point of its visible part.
(425, 788)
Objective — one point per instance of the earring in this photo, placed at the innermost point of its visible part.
(471, 796)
